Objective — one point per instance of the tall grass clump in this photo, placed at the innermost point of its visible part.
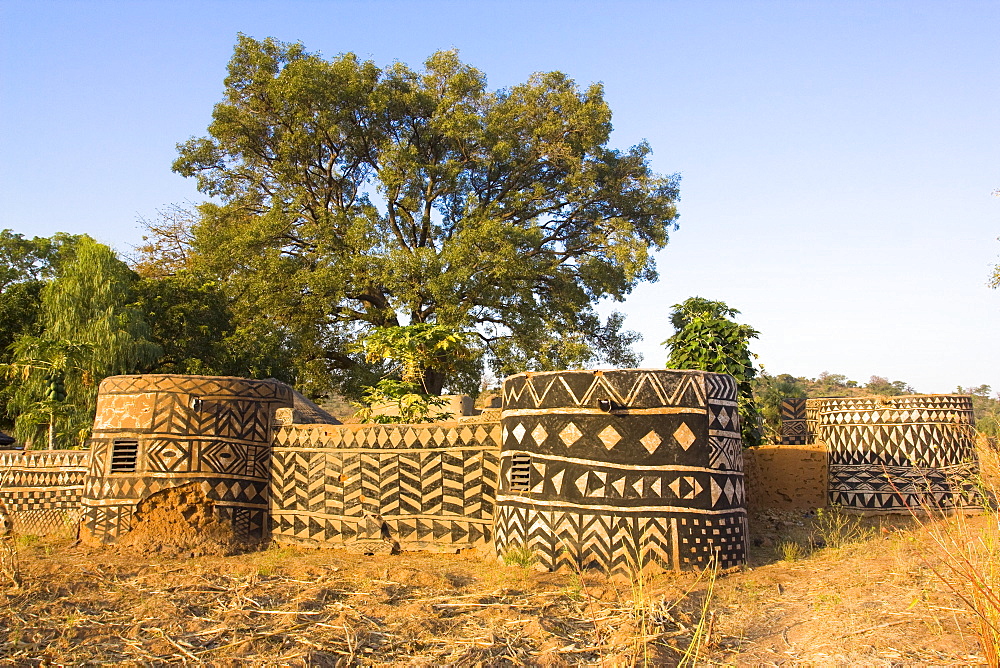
(519, 555)
(835, 528)
(970, 555)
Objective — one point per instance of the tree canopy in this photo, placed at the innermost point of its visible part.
(89, 330)
(706, 338)
(347, 197)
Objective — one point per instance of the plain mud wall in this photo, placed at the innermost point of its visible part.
(786, 477)
(40, 490)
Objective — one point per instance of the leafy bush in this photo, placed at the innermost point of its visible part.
(705, 338)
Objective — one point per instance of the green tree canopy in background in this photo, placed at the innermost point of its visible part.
(348, 197)
(89, 330)
(706, 338)
(25, 265)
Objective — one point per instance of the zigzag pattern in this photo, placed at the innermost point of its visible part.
(632, 388)
(720, 387)
(210, 386)
(615, 543)
(894, 453)
(904, 488)
(792, 408)
(447, 495)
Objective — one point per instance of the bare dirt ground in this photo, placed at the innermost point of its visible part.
(874, 601)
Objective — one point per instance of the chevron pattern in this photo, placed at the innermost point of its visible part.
(428, 484)
(794, 430)
(658, 477)
(617, 542)
(894, 453)
(625, 388)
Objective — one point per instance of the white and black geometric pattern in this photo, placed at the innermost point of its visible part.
(897, 453)
(428, 483)
(609, 469)
(40, 490)
(207, 429)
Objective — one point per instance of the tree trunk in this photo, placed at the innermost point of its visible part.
(433, 381)
(52, 430)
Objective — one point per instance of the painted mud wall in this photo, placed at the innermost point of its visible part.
(613, 469)
(874, 454)
(891, 454)
(154, 432)
(419, 486)
(41, 490)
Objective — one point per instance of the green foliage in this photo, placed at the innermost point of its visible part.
(191, 319)
(986, 408)
(705, 338)
(519, 555)
(348, 197)
(768, 392)
(411, 406)
(89, 330)
(420, 356)
(25, 264)
(881, 385)
(39, 373)
(789, 550)
(835, 528)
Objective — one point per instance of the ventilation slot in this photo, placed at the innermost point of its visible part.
(123, 456)
(520, 473)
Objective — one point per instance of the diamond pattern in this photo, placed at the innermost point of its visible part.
(651, 441)
(684, 436)
(609, 437)
(570, 434)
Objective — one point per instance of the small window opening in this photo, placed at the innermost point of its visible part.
(123, 456)
(520, 473)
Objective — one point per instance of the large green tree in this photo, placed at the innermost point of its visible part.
(348, 197)
(90, 329)
(25, 265)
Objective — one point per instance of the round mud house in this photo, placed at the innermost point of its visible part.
(619, 469)
(897, 454)
(155, 433)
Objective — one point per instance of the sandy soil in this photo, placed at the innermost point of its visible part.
(876, 601)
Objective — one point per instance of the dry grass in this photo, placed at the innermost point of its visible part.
(969, 558)
(874, 602)
(305, 607)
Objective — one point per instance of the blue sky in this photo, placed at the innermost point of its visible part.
(837, 158)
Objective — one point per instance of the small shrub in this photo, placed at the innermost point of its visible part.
(27, 540)
(835, 528)
(789, 550)
(519, 555)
